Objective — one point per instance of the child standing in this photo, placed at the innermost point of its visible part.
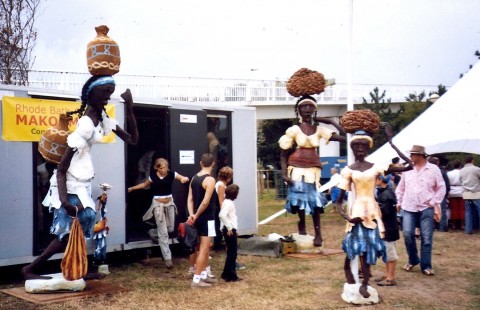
(387, 201)
(229, 225)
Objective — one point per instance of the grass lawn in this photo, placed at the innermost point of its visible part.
(284, 283)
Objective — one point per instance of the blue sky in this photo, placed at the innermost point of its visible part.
(421, 42)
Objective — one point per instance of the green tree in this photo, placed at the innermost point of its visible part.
(17, 39)
(379, 104)
(269, 131)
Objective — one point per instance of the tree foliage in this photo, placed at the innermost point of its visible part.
(379, 104)
(17, 39)
(414, 105)
(269, 131)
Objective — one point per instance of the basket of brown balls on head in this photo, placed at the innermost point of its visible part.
(360, 120)
(305, 83)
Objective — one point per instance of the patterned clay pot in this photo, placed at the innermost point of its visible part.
(53, 143)
(103, 54)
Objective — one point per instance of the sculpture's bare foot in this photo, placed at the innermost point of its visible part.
(94, 276)
(28, 274)
(363, 291)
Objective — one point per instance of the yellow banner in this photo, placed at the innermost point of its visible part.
(26, 119)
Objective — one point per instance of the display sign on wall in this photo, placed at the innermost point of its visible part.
(26, 119)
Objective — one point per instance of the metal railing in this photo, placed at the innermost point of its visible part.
(191, 89)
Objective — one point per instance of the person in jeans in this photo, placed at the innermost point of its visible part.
(420, 193)
(443, 225)
(470, 179)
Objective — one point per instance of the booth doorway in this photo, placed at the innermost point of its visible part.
(152, 122)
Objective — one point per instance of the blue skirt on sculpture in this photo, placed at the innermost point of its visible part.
(304, 196)
(62, 222)
(364, 241)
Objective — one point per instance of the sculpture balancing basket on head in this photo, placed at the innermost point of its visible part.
(301, 170)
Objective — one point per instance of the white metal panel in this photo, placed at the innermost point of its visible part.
(244, 149)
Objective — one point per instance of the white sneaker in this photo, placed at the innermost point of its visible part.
(210, 273)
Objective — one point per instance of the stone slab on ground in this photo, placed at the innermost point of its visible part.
(352, 295)
(322, 253)
(55, 284)
(93, 288)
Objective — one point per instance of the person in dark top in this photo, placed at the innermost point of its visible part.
(162, 208)
(201, 209)
(387, 201)
(443, 225)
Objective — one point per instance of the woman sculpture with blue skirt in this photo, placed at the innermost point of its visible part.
(302, 169)
(365, 229)
(70, 191)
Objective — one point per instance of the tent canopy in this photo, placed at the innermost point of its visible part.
(451, 124)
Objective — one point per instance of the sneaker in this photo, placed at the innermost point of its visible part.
(200, 284)
(210, 273)
(169, 264)
(387, 283)
(239, 266)
(191, 270)
(209, 280)
(428, 272)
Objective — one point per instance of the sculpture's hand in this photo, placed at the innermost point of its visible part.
(287, 180)
(127, 96)
(355, 220)
(388, 130)
(71, 209)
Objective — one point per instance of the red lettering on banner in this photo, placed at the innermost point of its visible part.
(42, 120)
(36, 120)
(21, 119)
(33, 120)
(52, 121)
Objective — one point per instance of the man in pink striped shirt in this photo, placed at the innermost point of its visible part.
(419, 193)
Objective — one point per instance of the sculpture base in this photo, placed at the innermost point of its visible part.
(56, 284)
(352, 295)
(304, 244)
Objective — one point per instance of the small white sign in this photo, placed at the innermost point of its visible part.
(188, 118)
(187, 157)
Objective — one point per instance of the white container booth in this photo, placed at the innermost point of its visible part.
(176, 131)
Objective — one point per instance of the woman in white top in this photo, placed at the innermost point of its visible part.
(229, 225)
(225, 176)
(70, 187)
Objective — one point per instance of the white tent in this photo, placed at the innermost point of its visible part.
(451, 124)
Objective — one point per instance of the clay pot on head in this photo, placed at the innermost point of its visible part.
(103, 54)
(53, 143)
